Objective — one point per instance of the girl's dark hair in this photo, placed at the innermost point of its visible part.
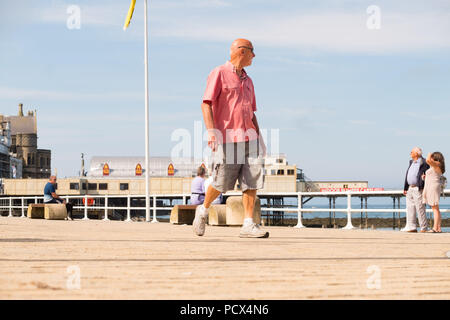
(437, 156)
(201, 171)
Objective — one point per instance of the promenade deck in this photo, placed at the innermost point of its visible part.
(39, 259)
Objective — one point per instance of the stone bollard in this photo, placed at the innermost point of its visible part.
(235, 211)
(36, 211)
(183, 214)
(55, 211)
(217, 215)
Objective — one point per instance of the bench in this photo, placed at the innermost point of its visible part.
(48, 211)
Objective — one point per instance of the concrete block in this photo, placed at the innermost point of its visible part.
(235, 211)
(55, 211)
(183, 214)
(217, 215)
(36, 211)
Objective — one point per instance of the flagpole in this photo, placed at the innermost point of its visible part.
(147, 166)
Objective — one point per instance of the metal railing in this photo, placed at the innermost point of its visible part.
(101, 203)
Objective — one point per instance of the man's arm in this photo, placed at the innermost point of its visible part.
(207, 115)
(255, 122)
(209, 123)
(55, 196)
(406, 186)
(261, 139)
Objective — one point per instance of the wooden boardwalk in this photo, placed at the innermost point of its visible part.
(41, 259)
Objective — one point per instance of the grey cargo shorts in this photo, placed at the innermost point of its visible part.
(240, 161)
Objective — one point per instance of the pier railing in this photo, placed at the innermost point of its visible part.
(104, 206)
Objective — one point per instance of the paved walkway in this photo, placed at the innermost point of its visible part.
(40, 259)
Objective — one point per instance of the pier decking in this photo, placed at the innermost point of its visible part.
(39, 259)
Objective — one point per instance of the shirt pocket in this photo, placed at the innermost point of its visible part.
(231, 88)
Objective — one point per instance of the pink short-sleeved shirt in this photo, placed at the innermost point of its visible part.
(233, 103)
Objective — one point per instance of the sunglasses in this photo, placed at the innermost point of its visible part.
(251, 49)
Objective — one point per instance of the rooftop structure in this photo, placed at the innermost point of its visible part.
(126, 166)
(19, 154)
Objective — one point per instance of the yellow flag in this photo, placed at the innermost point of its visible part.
(130, 14)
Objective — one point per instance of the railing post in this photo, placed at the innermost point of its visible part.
(35, 200)
(23, 209)
(154, 220)
(128, 209)
(334, 212)
(361, 220)
(299, 212)
(184, 199)
(367, 214)
(85, 208)
(393, 214)
(106, 209)
(349, 212)
(329, 213)
(10, 207)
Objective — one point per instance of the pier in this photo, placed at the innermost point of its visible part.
(273, 206)
(40, 259)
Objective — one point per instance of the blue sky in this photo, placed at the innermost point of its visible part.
(349, 102)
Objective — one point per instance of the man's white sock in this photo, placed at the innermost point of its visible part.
(248, 221)
(205, 211)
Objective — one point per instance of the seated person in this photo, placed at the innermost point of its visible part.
(50, 196)
(198, 187)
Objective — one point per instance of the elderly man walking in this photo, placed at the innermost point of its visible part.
(414, 185)
(233, 135)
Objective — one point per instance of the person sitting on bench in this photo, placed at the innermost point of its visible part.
(50, 196)
(197, 187)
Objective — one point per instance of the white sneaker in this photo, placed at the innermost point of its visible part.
(201, 214)
(253, 231)
(406, 229)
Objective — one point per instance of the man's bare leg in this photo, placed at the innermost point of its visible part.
(211, 195)
(249, 228)
(201, 212)
(248, 200)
